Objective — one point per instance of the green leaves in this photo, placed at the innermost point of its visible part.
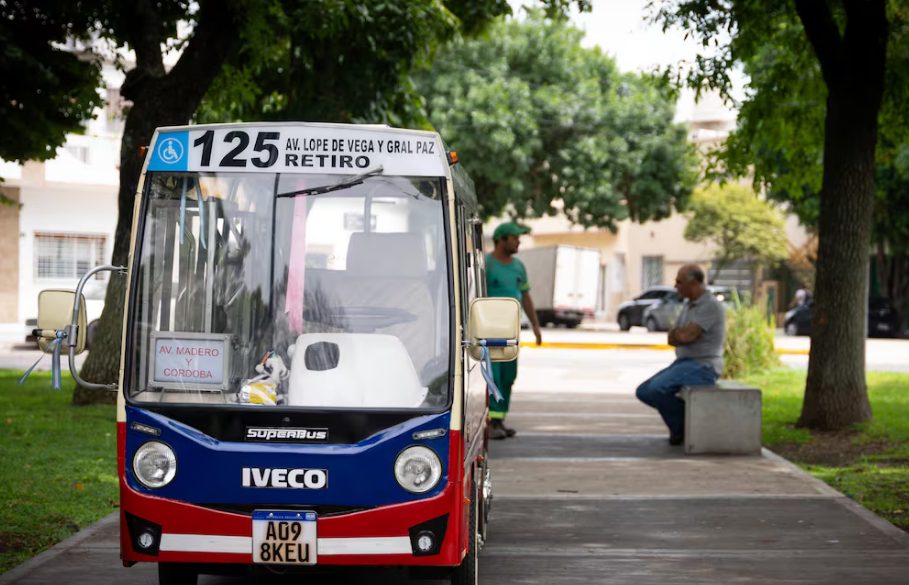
(748, 345)
(545, 125)
(743, 226)
(339, 60)
(47, 92)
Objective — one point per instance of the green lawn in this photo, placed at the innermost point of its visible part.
(869, 463)
(59, 470)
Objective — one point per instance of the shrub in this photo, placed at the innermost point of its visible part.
(749, 341)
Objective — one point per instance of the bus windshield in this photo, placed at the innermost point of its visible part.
(310, 291)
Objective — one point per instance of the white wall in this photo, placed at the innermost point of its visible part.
(60, 208)
(73, 193)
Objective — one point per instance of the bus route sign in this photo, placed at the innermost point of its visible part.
(322, 149)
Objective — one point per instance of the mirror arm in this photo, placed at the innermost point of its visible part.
(489, 342)
(73, 327)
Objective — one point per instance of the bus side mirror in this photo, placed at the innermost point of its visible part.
(55, 313)
(494, 323)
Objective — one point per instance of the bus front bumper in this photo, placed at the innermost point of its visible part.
(386, 535)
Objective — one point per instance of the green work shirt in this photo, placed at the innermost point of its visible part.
(506, 280)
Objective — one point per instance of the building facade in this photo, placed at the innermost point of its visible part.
(63, 214)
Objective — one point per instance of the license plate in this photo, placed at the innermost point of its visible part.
(284, 538)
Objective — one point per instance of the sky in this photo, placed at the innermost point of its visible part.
(621, 28)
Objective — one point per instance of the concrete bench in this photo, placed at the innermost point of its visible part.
(722, 419)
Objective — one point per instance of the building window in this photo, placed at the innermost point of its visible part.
(651, 271)
(78, 151)
(67, 256)
(354, 222)
(115, 110)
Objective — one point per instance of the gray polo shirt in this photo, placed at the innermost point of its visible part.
(710, 315)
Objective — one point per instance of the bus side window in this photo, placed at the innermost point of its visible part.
(479, 262)
(467, 280)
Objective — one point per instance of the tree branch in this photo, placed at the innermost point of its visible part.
(214, 38)
(865, 40)
(146, 37)
(144, 34)
(824, 36)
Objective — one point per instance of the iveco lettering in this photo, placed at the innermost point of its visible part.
(304, 376)
(314, 479)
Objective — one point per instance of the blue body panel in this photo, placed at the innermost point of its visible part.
(209, 471)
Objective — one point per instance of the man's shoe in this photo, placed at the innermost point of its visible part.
(509, 432)
(677, 439)
(497, 430)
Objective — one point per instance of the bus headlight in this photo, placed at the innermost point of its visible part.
(418, 469)
(155, 464)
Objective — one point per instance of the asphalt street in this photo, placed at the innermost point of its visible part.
(631, 356)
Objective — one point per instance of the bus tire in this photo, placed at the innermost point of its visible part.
(176, 574)
(624, 322)
(484, 499)
(467, 573)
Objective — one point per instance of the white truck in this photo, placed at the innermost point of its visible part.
(564, 281)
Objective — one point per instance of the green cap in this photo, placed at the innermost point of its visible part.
(509, 229)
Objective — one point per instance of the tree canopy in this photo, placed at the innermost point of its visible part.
(339, 61)
(819, 70)
(546, 125)
(48, 90)
(743, 226)
(308, 59)
(780, 140)
(346, 60)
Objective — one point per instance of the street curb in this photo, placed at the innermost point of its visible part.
(897, 534)
(26, 568)
(650, 346)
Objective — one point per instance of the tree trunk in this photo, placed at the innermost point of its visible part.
(836, 394)
(158, 99)
(103, 362)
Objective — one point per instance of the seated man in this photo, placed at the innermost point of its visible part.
(698, 340)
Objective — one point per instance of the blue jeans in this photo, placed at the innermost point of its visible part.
(659, 391)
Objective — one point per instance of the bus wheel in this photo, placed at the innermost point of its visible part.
(176, 574)
(467, 572)
(484, 498)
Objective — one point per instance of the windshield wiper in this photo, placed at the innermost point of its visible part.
(348, 182)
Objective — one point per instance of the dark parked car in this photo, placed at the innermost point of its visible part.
(632, 312)
(883, 320)
(661, 316)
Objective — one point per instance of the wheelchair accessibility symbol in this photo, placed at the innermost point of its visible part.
(170, 151)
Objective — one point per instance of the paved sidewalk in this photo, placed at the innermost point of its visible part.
(590, 491)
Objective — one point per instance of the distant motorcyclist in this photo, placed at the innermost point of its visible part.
(801, 297)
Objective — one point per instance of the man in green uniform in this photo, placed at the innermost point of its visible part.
(507, 277)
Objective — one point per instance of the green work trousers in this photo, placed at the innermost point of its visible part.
(504, 374)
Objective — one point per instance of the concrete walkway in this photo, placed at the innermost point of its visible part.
(590, 492)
